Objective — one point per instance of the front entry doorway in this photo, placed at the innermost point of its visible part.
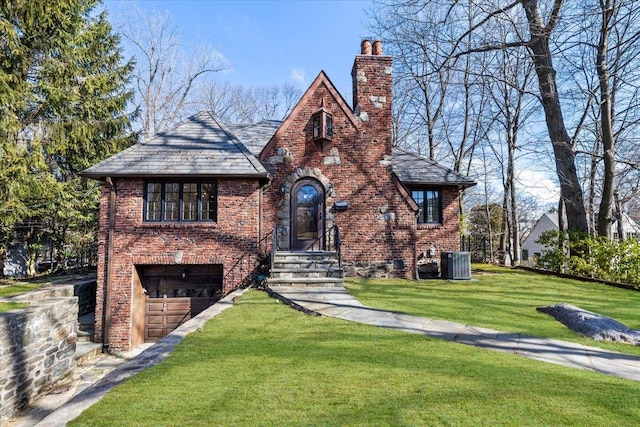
(307, 215)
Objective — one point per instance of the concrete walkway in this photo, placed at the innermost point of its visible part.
(337, 302)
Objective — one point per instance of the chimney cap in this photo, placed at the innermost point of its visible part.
(365, 46)
(377, 47)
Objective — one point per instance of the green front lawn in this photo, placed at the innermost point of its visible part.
(6, 306)
(11, 290)
(7, 290)
(504, 299)
(261, 363)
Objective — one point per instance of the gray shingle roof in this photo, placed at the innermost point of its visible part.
(203, 145)
(255, 135)
(199, 146)
(413, 169)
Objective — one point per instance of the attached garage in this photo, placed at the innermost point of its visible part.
(174, 294)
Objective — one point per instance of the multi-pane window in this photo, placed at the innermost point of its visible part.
(429, 206)
(180, 201)
(208, 202)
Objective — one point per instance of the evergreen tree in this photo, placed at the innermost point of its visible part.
(63, 100)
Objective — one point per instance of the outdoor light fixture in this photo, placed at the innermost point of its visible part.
(283, 188)
(330, 190)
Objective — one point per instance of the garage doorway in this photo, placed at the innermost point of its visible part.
(175, 294)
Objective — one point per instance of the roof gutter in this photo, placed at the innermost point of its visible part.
(168, 176)
(106, 310)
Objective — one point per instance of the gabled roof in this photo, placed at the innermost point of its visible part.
(413, 169)
(199, 146)
(319, 80)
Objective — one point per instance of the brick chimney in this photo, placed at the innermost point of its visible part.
(371, 75)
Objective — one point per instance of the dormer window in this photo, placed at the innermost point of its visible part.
(322, 125)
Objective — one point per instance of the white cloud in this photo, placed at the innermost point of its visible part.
(298, 76)
(540, 185)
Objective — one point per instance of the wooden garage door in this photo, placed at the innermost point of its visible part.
(175, 294)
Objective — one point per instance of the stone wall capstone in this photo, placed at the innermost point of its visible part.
(37, 346)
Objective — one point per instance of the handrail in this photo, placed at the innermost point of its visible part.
(240, 261)
(338, 244)
(274, 245)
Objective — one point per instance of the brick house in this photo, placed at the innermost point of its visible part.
(186, 216)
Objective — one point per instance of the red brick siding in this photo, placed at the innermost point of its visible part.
(379, 225)
(231, 241)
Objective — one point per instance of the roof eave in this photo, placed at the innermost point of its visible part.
(100, 176)
(440, 184)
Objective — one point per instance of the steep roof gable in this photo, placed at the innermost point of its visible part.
(322, 78)
(199, 146)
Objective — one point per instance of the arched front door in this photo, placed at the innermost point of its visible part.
(307, 215)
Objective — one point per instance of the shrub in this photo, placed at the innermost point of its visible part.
(599, 257)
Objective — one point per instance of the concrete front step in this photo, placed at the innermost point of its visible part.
(86, 351)
(301, 269)
(298, 263)
(306, 272)
(327, 282)
(85, 335)
(305, 254)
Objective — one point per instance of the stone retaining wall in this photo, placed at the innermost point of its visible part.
(37, 346)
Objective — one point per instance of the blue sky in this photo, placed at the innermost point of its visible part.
(269, 42)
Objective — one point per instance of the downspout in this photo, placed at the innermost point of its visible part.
(106, 324)
(261, 190)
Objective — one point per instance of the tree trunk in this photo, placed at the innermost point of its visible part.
(515, 238)
(606, 119)
(3, 259)
(562, 230)
(619, 224)
(570, 190)
(592, 190)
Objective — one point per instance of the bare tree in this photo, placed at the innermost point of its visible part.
(439, 33)
(539, 47)
(512, 75)
(607, 8)
(436, 108)
(240, 104)
(167, 71)
(616, 50)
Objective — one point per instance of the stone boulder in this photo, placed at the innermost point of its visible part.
(592, 325)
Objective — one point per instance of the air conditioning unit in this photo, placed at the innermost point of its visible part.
(455, 265)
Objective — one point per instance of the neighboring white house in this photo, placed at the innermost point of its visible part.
(630, 228)
(531, 249)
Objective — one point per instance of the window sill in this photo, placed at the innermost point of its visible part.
(427, 226)
(165, 225)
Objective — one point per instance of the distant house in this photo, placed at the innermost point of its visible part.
(549, 221)
(531, 249)
(186, 216)
(630, 228)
